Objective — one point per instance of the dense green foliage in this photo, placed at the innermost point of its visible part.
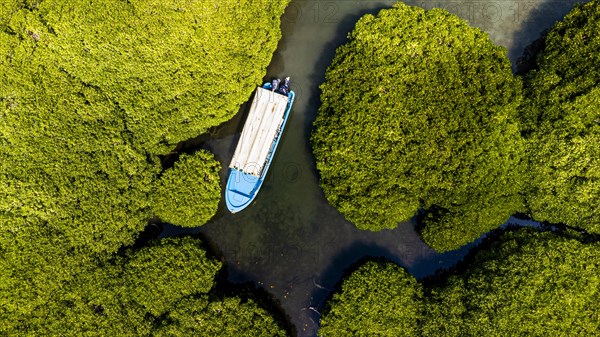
(84, 114)
(91, 93)
(160, 275)
(7, 8)
(146, 292)
(561, 117)
(123, 296)
(226, 317)
(378, 299)
(94, 303)
(188, 194)
(527, 283)
(418, 113)
(164, 62)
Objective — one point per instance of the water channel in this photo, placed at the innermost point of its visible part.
(290, 242)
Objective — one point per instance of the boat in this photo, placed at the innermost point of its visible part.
(258, 142)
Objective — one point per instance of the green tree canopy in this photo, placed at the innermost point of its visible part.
(189, 193)
(123, 296)
(165, 288)
(173, 68)
(528, 283)
(377, 299)
(210, 317)
(7, 9)
(88, 102)
(561, 117)
(91, 93)
(160, 275)
(417, 113)
(525, 283)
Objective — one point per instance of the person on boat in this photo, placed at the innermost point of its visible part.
(285, 88)
(275, 84)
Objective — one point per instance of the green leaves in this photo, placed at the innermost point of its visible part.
(163, 289)
(91, 93)
(525, 282)
(378, 299)
(229, 316)
(560, 117)
(160, 275)
(388, 143)
(164, 62)
(123, 296)
(418, 113)
(188, 194)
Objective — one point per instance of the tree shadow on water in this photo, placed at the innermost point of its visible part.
(536, 18)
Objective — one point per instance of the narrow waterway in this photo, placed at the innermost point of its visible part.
(290, 241)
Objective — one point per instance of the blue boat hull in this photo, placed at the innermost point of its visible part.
(241, 187)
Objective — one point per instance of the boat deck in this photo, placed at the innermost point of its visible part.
(262, 125)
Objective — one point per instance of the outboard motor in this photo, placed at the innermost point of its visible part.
(285, 88)
(275, 84)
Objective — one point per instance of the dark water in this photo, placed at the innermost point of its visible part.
(290, 241)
